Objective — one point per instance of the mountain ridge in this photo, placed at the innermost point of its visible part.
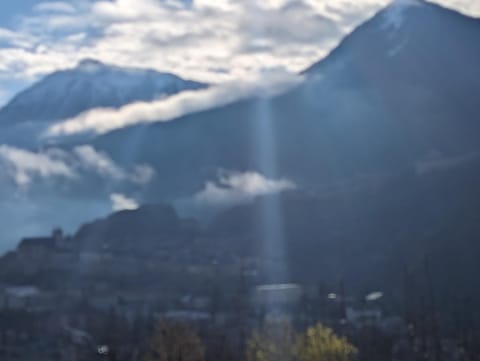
(392, 119)
(104, 84)
(364, 120)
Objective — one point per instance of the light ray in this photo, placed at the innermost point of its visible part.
(272, 220)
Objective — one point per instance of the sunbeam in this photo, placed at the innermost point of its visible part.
(271, 222)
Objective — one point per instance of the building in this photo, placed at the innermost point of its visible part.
(277, 296)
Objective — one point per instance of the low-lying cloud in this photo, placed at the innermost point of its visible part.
(236, 187)
(103, 120)
(23, 167)
(100, 163)
(121, 202)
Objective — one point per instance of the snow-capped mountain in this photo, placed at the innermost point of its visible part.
(91, 84)
(390, 117)
(385, 130)
(410, 41)
(365, 109)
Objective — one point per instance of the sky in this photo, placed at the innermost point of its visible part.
(215, 41)
(207, 40)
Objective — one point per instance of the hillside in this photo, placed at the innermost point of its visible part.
(363, 110)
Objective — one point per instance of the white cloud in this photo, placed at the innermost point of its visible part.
(212, 41)
(107, 119)
(467, 7)
(235, 187)
(24, 166)
(120, 202)
(101, 163)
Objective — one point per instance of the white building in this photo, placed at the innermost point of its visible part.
(277, 295)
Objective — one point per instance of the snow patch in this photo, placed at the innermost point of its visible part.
(91, 84)
(394, 19)
(395, 50)
(395, 13)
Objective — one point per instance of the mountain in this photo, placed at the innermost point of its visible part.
(419, 60)
(91, 84)
(134, 231)
(383, 134)
(401, 90)
(369, 235)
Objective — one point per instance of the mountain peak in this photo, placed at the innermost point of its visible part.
(90, 64)
(410, 36)
(395, 13)
(91, 84)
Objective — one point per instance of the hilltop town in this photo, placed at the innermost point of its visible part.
(63, 296)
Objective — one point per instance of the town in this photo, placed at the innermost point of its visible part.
(76, 297)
